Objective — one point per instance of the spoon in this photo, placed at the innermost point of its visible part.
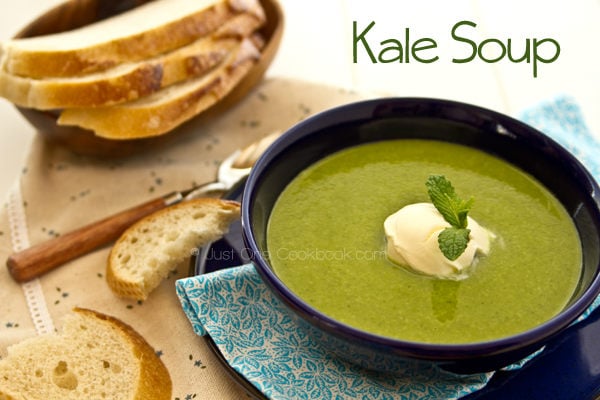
(43, 257)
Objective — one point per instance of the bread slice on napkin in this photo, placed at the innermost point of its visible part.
(145, 31)
(168, 108)
(94, 356)
(147, 252)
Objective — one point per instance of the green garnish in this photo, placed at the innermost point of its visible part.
(452, 240)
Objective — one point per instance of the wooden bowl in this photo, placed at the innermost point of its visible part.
(76, 13)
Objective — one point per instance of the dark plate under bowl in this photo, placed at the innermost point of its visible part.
(397, 118)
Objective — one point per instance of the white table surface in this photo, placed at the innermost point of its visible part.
(317, 46)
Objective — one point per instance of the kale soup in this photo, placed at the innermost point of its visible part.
(326, 242)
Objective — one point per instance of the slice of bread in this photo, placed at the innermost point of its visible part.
(124, 83)
(130, 81)
(95, 356)
(145, 31)
(168, 108)
(148, 251)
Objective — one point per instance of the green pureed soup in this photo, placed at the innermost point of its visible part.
(326, 242)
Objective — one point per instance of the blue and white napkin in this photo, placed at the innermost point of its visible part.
(259, 339)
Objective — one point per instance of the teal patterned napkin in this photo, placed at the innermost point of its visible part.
(256, 335)
(259, 339)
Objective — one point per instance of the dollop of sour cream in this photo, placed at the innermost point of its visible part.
(412, 241)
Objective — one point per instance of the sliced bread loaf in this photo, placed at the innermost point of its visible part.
(95, 356)
(130, 81)
(167, 108)
(123, 83)
(145, 31)
(148, 251)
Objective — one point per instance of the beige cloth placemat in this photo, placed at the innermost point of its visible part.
(61, 191)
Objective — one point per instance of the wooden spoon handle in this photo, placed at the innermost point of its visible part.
(43, 257)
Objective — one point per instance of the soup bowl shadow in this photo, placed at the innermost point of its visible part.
(422, 118)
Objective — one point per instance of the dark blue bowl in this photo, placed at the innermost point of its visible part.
(397, 118)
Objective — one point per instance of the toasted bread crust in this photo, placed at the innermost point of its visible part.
(154, 381)
(161, 112)
(44, 63)
(131, 81)
(103, 90)
(129, 252)
(98, 353)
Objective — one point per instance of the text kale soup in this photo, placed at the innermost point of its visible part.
(531, 51)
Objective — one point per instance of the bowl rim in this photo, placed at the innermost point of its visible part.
(359, 110)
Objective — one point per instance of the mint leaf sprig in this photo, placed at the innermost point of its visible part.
(453, 240)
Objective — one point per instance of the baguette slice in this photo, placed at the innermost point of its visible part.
(124, 83)
(131, 80)
(95, 356)
(148, 251)
(145, 31)
(168, 108)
